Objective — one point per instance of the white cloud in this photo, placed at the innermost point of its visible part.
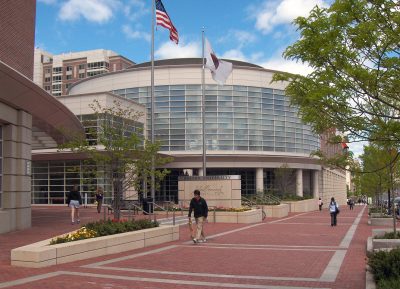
(134, 9)
(281, 64)
(92, 10)
(49, 2)
(357, 148)
(240, 36)
(134, 34)
(283, 12)
(171, 50)
(235, 54)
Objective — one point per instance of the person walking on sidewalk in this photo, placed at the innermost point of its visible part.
(99, 198)
(320, 203)
(334, 210)
(74, 199)
(200, 211)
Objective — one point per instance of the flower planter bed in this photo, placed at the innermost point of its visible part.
(41, 254)
(245, 217)
(276, 211)
(302, 206)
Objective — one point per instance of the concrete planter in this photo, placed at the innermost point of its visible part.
(376, 215)
(41, 254)
(380, 221)
(276, 211)
(369, 279)
(379, 244)
(302, 206)
(246, 217)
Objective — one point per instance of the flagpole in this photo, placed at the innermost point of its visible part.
(152, 185)
(203, 108)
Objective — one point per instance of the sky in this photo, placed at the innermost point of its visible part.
(256, 31)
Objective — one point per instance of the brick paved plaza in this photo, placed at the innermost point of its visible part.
(299, 251)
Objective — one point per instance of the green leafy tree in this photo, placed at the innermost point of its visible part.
(143, 168)
(375, 179)
(285, 180)
(381, 173)
(353, 48)
(114, 146)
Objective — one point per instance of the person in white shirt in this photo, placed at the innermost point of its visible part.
(334, 210)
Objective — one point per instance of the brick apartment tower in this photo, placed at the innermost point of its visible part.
(56, 73)
(17, 34)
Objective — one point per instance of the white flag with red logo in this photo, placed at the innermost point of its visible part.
(220, 70)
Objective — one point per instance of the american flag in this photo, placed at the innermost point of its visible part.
(164, 21)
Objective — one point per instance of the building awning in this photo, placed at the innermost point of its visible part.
(52, 122)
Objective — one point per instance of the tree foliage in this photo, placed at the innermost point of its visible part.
(114, 144)
(353, 48)
(285, 180)
(375, 164)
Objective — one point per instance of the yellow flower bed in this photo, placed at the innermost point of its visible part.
(82, 233)
(237, 210)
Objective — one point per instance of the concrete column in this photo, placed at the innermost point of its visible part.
(259, 179)
(16, 199)
(315, 184)
(201, 172)
(299, 182)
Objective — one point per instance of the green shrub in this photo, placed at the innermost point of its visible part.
(110, 227)
(295, 198)
(376, 210)
(105, 228)
(388, 284)
(389, 235)
(385, 266)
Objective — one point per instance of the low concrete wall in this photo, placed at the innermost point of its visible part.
(379, 244)
(276, 211)
(41, 254)
(369, 279)
(380, 221)
(246, 217)
(302, 206)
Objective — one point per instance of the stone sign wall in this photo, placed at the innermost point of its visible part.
(220, 191)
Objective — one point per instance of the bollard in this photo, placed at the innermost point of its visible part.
(173, 218)
(215, 215)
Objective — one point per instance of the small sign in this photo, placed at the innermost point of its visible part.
(28, 167)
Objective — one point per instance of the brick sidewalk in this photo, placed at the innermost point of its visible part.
(301, 251)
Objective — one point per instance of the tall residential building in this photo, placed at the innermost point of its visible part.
(56, 73)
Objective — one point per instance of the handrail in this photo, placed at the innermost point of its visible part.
(163, 209)
(248, 202)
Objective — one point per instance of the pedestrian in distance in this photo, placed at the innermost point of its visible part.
(351, 204)
(99, 198)
(74, 200)
(200, 211)
(334, 211)
(320, 203)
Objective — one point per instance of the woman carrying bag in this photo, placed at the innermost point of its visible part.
(334, 210)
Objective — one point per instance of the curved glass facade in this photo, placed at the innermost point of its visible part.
(238, 118)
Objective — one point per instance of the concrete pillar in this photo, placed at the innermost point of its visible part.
(259, 179)
(16, 199)
(201, 172)
(315, 184)
(299, 182)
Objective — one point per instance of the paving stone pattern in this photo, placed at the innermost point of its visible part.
(301, 251)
